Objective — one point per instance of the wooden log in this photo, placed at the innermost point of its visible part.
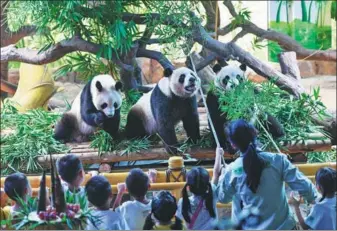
(288, 64)
(90, 157)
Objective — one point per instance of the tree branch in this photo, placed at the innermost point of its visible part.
(143, 41)
(8, 37)
(227, 50)
(55, 52)
(238, 36)
(156, 55)
(285, 41)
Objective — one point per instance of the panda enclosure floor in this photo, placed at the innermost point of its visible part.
(327, 86)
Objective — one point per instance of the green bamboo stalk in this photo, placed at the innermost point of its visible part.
(304, 11)
(278, 14)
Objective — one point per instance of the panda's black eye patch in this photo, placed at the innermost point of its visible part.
(115, 105)
(104, 105)
(182, 78)
(240, 78)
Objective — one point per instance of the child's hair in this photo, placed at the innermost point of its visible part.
(244, 136)
(198, 181)
(326, 180)
(98, 190)
(137, 183)
(68, 167)
(163, 208)
(16, 185)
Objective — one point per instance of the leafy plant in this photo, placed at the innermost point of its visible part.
(321, 157)
(31, 137)
(293, 114)
(242, 16)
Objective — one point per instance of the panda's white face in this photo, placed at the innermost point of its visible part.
(184, 82)
(106, 94)
(229, 77)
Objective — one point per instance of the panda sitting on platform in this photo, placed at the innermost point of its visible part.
(97, 105)
(172, 100)
(227, 78)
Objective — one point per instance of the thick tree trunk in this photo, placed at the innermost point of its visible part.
(129, 77)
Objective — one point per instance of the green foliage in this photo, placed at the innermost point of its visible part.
(103, 23)
(333, 10)
(32, 137)
(243, 15)
(321, 157)
(293, 114)
(105, 143)
(309, 35)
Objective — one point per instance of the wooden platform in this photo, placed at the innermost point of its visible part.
(90, 155)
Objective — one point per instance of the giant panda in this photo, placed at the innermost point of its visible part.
(172, 100)
(97, 105)
(227, 78)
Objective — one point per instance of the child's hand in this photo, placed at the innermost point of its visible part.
(152, 173)
(93, 173)
(121, 188)
(294, 201)
(219, 151)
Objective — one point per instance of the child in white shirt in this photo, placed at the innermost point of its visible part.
(71, 171)
(137, 183)
(199, 210)
(99, 194)
(323, 214)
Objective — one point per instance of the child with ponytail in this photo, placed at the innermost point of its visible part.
(258, 178)
(162, 216)
(198, 210)
(323, 214)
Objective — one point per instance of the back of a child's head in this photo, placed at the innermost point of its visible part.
(198, 182)
(326, 180)
(163, 209)
(69, 167)
(137, 183)
(16, 186)
(98, 190)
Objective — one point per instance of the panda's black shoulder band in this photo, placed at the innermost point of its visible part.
(168, 72)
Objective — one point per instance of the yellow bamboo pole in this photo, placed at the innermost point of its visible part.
(119, 177)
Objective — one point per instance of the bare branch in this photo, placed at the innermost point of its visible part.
(156, 55)
(8, 37)
(55, 52)
(143, 41)
(225, 30)
(285, 41)
(227, 50)
(238, 36)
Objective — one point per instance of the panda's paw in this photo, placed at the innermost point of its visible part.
(99, 119)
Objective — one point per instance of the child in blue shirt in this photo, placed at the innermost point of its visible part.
(258, 178)
(323, 214)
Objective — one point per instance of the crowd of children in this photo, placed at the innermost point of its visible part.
(254, 180)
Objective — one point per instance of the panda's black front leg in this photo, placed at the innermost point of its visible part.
(191, 126)
(94, 118)
(168, 135)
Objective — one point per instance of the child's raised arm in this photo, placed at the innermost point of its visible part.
(296, 204)
(217, 165)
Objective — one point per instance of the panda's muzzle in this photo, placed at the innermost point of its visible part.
(191, 87)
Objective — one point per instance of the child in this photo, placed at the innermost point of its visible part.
(163, 209)
(71, 171)
(257, 179)
(99, 193)
(323, 213)
(198, 210)
(18, 189)
(137, 183)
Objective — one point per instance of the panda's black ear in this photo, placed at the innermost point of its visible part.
(168, 72)
(216, 68)
(243, 67)
(119, 86)
(99, 86)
